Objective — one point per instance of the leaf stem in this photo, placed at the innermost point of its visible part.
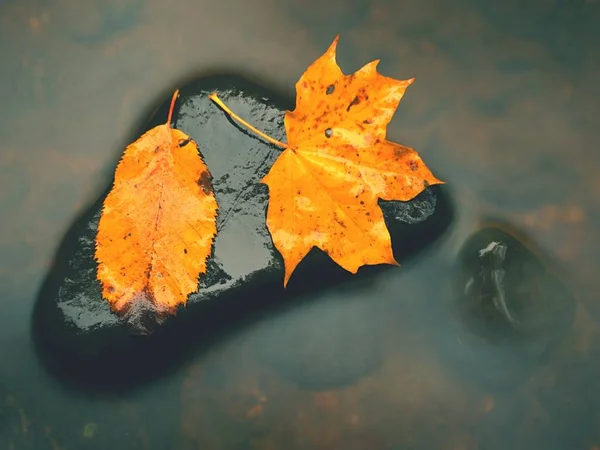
(169, 118)
(214, 97)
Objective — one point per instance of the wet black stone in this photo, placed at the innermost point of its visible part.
(73, 327)
(512, 308)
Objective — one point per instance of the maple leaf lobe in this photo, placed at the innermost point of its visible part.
(361, 104)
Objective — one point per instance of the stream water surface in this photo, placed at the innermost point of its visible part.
(488, 339)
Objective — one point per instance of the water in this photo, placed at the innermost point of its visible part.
(504, 108)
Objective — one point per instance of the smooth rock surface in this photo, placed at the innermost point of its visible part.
(73, 326)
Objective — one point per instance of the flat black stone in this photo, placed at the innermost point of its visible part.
(73, 327)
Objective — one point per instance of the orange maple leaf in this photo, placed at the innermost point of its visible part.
(158, 223)
(324, 187)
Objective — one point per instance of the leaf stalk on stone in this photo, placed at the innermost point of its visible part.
(325, 186)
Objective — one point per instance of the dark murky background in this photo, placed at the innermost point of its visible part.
(505, 108)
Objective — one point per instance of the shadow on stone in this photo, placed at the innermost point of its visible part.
(84, 344)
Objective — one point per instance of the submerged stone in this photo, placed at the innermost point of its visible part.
(74, 327)
(511, 306)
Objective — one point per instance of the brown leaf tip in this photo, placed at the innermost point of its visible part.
(143, 317)
(335, 41)
(331, 51)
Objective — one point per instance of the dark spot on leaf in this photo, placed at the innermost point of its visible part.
(362, 202)
(367, 122)
(399, 152)
(184, 142)
(330, 89)
(205, 182)
(355, 101)
(413, 165)
(110, 289)
(340, 223)
(156, 149)
(328, 132)
(127, 235)
(318, 119)
(368, 214)
(185, 251)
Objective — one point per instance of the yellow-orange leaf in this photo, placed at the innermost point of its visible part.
(325, 185)
(158, 223)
